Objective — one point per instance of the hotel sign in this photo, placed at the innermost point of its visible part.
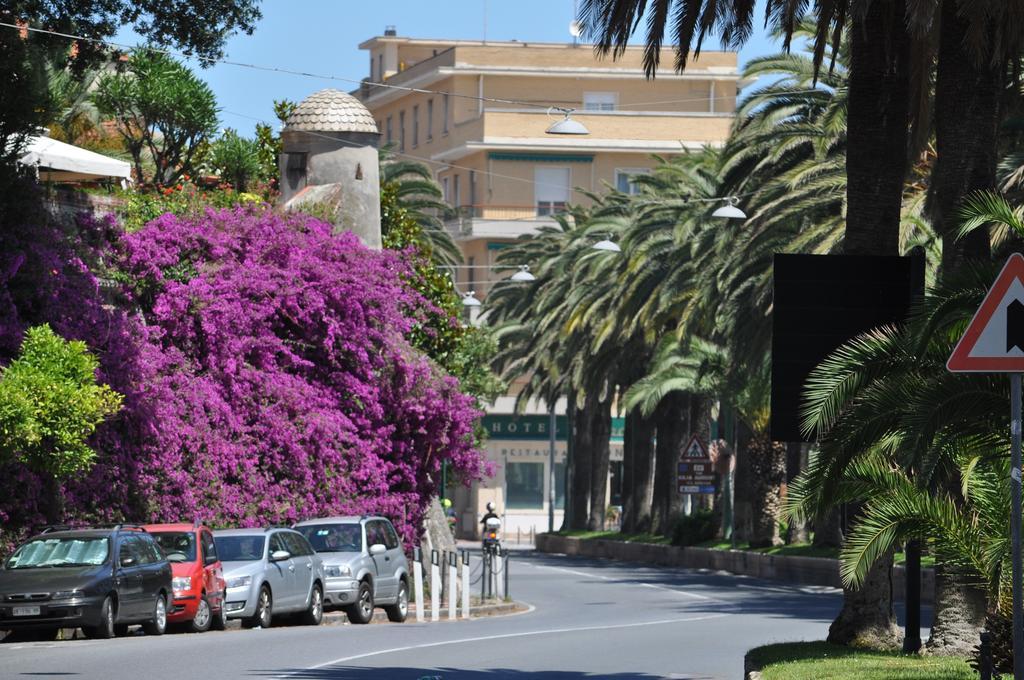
(524, 427)
(535, 427)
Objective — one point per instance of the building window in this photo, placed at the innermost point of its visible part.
(624, 179)
(444, 190)
(525, 486)
(380, 67)
(401, 130)
(559, 486)
(600, 101)
(444, 123)
(415, 126)
(457, 197)
(389, 136)
(430, 119)
(551, 189)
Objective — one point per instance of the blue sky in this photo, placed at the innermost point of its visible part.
(322, 36)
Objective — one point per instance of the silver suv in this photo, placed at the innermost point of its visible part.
(269, 572)
(364, 563)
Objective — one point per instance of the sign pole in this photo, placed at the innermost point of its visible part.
(552, 432)
(1015, 521)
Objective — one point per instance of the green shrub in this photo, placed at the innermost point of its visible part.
(693, 529)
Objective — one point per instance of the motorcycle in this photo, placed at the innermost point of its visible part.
(492, 545)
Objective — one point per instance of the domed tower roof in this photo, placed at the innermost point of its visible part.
(331, 111)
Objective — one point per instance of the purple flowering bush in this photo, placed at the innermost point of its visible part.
(266, 371)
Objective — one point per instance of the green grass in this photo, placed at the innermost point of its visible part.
(794, 550)
(818, 660)
(616, 536)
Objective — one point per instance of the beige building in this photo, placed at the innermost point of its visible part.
(480, 124)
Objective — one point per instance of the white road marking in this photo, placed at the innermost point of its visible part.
(676, 591)
(482, 638)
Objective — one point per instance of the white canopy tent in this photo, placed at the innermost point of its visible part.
(59, 162)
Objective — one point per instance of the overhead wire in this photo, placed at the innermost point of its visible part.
(425, 159)
(209, 61)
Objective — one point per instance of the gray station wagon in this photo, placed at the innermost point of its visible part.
(364, 565)
(270, 572)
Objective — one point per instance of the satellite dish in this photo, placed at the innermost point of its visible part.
(575, 29)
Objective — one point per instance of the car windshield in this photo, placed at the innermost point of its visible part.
(60, 552)
(179, 546)
(333, 537)
(239, 548)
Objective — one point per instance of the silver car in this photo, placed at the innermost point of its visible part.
(270, 572)
(364, 563)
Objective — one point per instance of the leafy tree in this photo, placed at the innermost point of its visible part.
(420, 197)
(50, 404)
(163, 112)
(197, 27)
(235, 159)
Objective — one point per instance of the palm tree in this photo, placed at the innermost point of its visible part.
(884, 407)
(880, 68)
(420, 196)
(893, 47)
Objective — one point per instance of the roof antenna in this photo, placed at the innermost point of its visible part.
(575, 27)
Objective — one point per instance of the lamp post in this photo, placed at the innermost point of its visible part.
(552, 433)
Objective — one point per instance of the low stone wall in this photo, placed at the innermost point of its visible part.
(810, 571)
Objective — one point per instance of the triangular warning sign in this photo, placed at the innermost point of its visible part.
(994, 340)
(695, 449)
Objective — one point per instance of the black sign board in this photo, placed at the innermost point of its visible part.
(820, 302)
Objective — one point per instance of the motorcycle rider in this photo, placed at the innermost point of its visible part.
(490, 540)
(490, 514)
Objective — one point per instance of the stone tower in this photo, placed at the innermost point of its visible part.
(329, 159)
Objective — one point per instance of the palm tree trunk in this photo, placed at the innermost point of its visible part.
(960, 608)
(600, 439)
(796, 461)
(967, 97)
(876, 164)
(877, 137)
(867, 618)
(638, 473)
(745, 486)
(578, 471)
(671, 426)
(768, 467)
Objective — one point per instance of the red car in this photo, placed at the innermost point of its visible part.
(198, 582)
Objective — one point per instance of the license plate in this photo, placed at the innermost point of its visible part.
(26, 611)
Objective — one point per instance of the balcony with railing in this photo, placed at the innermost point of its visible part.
(502, 221)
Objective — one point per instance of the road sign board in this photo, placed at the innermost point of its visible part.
(695, 470)
(701, 488)
(994, 340)
(695, 449)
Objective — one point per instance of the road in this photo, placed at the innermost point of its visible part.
(588, 619)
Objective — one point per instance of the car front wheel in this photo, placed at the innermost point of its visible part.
(158, 624)
(398, 612)
(264, 607)
(203, 618)
(220, 619)
(315, 614)
(105, 630)
(361, 611)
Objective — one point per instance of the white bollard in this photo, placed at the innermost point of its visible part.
(453, 588)
(465, 584)
(499, 577)
(417, 567)
(435, 588)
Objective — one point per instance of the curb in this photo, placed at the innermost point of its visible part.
(339, 618)
(798, 570)
(751, 671)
